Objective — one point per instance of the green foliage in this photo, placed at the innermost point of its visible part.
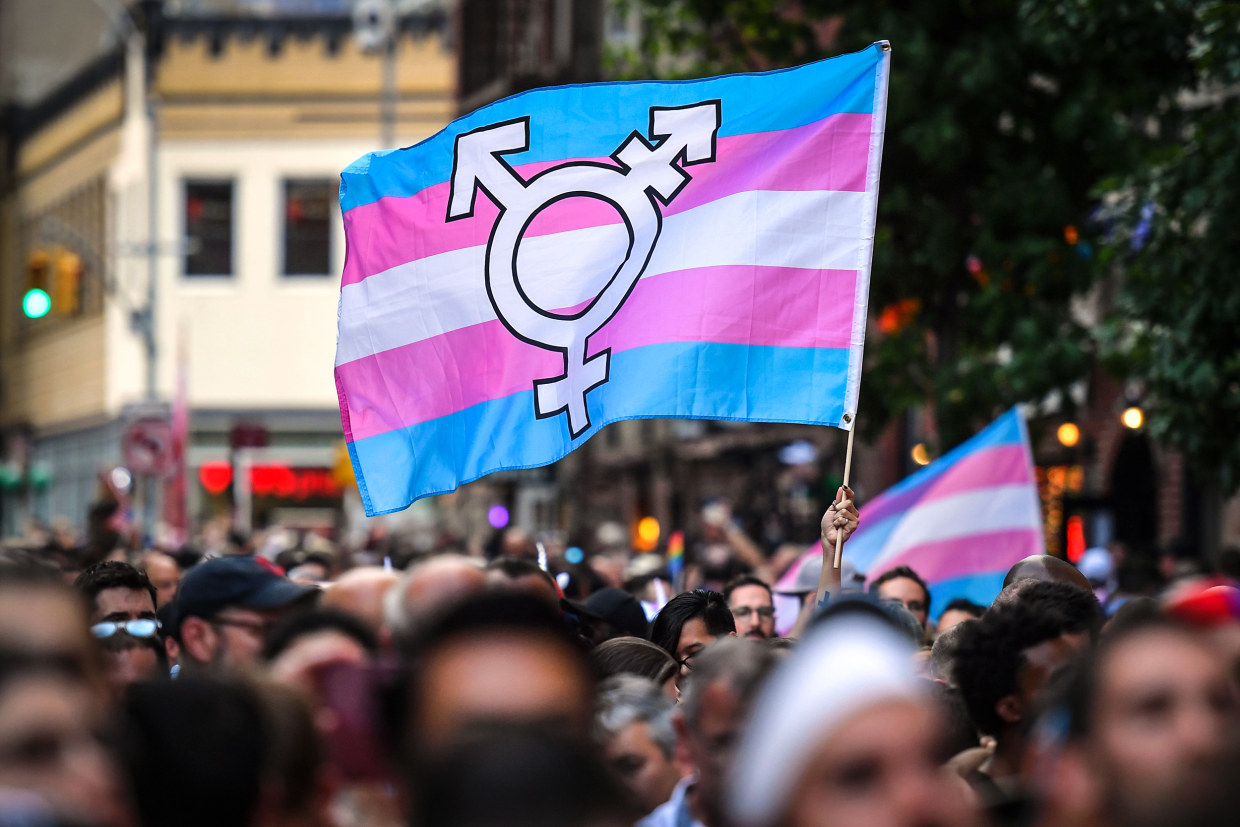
(1173, 232)
(1003, 118)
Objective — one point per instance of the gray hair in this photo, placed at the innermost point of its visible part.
(624, 700)
(739, 664)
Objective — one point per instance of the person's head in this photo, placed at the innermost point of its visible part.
(906, 587)
(428, 589)
(713, 709)
(165, 576)
(1148, 718)
(42, 615)
(844, 734)
(1045, 567)
(305, 642)
(194, 752)
(517, 542)
(500, 658)
(122, 607)
(752, 607)
(634, 656)
(518, 777)
(690, 622)
(50, 747)
(521, 574)
(360, 592)
(1080, 616)
(296, 790)
(224, 609)
(117, 592)
(958, 611)
(607, 614)
(633, 725)
(1003, 661)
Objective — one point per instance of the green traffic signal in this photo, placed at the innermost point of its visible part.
(36, 303)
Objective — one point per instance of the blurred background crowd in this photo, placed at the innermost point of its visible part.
(259, 685)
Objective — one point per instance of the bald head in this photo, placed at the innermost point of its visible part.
(360, 592)
(429, 588)
(1045, 567)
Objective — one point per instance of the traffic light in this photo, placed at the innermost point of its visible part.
(35, 300)
(67, 283)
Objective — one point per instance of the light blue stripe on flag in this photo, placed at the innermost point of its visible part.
(678, 380)
(981, 588)
(591, 120)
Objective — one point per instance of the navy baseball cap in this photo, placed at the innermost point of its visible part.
(615, 606)
(241, 581)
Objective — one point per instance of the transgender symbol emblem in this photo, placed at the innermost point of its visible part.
(644, 176)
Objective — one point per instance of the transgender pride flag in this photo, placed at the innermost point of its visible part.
(570, 257)
(960, 522)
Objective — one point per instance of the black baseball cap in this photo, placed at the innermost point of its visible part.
(241, 580)
(615, 606)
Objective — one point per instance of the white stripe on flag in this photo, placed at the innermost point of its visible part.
(1001, 508)
(815, 230)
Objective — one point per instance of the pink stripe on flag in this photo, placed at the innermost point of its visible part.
(831, 154)
(962, 556)
(734, 304)
(1001, 465)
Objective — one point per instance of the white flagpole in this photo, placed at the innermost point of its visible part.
(839, 533)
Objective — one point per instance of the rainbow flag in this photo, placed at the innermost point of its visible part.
(676, 558)
(960, 522)
(569, 257)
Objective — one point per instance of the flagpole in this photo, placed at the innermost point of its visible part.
(829, 574)
(839, 532)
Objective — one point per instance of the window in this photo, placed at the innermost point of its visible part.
(307, 227)
(209, 228)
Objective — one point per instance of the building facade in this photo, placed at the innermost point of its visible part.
(176, 199)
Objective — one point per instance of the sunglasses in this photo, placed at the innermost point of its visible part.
(143, 627)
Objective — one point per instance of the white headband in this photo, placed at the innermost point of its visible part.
(844, 665)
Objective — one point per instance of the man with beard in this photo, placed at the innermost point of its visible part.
(122, 617)
(224, 609)
(752, 607)
(1140, 734)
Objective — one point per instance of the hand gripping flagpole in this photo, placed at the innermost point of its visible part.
(839, 532)
(828, 575)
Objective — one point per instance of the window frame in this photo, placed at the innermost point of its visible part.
(209, 180)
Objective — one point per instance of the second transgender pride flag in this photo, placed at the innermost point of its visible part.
(569, 257)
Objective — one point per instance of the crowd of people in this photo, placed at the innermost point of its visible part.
(151, 690)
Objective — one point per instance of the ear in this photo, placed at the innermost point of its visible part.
(198, 640)
(1009, 709)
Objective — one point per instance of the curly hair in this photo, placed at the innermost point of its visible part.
(990, 654)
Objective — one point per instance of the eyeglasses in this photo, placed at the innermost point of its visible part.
(142, 627)
(764, 612)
